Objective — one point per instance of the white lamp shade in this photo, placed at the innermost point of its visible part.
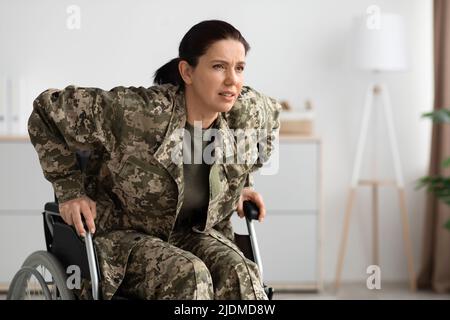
(381, 46)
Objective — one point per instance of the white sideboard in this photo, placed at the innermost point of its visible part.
(290, 237)
(23, 193)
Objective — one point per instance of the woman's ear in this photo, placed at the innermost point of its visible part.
(185, 71)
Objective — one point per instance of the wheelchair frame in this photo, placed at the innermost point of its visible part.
(74, 248)
(51, 210)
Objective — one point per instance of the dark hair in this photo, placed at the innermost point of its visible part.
(194, 44)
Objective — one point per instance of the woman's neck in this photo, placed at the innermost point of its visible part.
(196, 113)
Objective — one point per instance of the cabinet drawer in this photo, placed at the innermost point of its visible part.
(294, 186)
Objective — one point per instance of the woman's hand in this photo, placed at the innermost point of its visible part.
(72, 210)
(252, 195)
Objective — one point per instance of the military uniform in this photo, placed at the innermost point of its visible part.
(135, 176)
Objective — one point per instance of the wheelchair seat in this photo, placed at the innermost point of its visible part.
(66, 248)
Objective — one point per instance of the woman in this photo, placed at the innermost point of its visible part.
(162, 226)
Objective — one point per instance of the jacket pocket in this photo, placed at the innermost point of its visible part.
(143, 187)
(236, 171)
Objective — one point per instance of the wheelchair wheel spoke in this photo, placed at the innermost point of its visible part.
(33, 289)
(54, 290)
(57, 295)
(27, 290)
(40, 277)
(49, 281)
(30, 289)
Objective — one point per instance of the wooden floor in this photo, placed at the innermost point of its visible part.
(357, 291)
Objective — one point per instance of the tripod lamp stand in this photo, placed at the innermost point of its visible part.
(379, 49)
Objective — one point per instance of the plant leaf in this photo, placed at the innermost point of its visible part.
(441, 115)
(440, 186)
(447, 225)
(446, 162)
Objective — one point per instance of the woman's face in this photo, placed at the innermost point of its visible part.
(216, 81)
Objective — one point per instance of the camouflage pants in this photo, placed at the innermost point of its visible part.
(191, 266)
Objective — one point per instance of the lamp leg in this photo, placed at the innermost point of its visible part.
(363, 134)
(376, 260)
(354, 182)
(400, 185)
(348, 211)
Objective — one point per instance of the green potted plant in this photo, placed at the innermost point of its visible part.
(439, 185)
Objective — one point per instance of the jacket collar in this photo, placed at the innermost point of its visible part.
(169, 153)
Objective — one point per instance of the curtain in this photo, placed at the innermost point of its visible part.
(435, 272)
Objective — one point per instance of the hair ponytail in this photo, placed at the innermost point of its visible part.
(169, 73)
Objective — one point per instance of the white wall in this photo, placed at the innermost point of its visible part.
(299, 51)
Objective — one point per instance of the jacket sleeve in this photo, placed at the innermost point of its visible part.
(261, 114)
(249, 181)
(264, 113)
(65, 121)
(268, 130)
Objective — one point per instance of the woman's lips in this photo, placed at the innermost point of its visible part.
(227, 98)
(227, 95)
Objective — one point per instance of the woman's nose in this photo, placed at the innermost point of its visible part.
(231, 77)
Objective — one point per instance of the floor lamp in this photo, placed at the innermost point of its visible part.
(379, 48)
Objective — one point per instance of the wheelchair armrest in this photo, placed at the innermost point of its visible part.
(52, 207)
(251, 210)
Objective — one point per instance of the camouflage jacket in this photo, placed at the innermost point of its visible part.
(134, 136)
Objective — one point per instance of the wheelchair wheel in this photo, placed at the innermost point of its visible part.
(41, 278)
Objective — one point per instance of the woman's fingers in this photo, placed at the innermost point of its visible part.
(74, 211)
(88, 216)
(66, 217)
(258, 200)
(78, 224)
(65, 214)
(240, 208)
(252, 195)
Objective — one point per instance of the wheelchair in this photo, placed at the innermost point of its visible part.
(43, 273)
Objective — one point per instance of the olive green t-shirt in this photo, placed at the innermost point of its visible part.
(196, 179)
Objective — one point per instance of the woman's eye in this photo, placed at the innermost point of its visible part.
(218, 66)
(240, 69)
